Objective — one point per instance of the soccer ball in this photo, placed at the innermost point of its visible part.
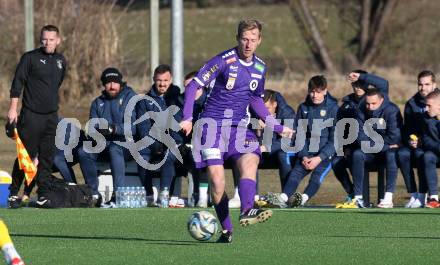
(202, 225)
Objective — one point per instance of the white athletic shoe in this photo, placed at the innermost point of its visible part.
(202, 203)
(410, 202)
(234, 202)
(417, 204)
(385, 204)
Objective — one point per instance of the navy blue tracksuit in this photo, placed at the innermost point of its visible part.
(388, 113)
(112, 110)
(156, 151)
(310, 112)
(283, 112)
(348, 109)
(431, 146)
(415, 109)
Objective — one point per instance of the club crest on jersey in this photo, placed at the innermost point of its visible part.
(207, 74)
(253, 85)
(230, 84)
(323, 113)
(60, 64)
(259, 67)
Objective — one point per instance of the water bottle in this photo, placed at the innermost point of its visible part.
(137, 197)
(118, 198)
(121, 191)
(132, 201)
(165, 198)
(142, 197)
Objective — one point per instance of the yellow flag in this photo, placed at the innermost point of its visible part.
(25, 161)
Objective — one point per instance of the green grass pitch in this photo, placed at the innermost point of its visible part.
(159, 236)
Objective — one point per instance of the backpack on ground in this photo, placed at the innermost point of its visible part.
(56, 193)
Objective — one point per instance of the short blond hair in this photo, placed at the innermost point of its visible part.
(249, 24)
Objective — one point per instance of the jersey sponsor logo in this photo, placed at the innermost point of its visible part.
(208, 73)
(211, 153)
(259, 67)
(230, 84)
(253, 85)
(233, 68)
(323, 112)
(101, 104)
(233, 74)
(228, 54)
(43, 61)
(60, 64)
(231, 60)
(256, 76)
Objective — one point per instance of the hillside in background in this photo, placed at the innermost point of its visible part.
(120, 37)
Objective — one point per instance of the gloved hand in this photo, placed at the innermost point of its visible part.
(10, 128)
(108, 131)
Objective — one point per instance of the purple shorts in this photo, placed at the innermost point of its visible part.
(212, 146)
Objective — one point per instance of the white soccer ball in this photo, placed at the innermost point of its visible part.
(202, 225)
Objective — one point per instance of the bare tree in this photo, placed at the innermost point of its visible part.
(373, 16)
(310, 32)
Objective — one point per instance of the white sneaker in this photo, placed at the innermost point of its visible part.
(410, 202)
(416, 204)
(180, 203)
(173, 202)
(385, 204)
(202, 203)
(234, 202)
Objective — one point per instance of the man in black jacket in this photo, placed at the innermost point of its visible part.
(379, 121)
(431, 147)
(39, 75)
(411, 153)
(159, 153)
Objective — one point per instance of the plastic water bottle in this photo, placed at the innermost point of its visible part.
(122, 196)
(118, 198)
(165, 198)
(136, 197)
(142, 197)
(132, 197)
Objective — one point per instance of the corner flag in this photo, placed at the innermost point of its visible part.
(24, 160)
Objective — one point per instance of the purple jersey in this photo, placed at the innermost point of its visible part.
(234, 83)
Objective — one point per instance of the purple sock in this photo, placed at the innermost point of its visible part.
(222, 210)
(247, 189)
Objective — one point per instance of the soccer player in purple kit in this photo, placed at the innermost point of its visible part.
(238, 83)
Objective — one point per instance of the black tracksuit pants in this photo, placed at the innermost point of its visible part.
(37, 132)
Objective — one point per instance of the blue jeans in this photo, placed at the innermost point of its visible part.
(65, 168)
(117, 154)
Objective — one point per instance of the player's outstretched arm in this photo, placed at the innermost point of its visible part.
(257, 104)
